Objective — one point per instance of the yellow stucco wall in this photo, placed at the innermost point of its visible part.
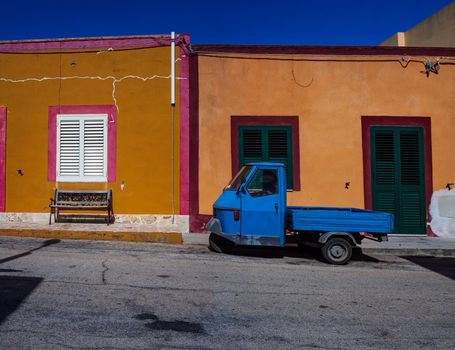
(143, 124)
(329, 111)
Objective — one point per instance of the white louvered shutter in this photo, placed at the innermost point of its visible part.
(69, 148)
(94, 147)
(82, 148)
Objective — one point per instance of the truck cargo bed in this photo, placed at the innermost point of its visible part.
(325, 219)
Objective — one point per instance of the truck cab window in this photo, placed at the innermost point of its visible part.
(263, 183)
(238, 179)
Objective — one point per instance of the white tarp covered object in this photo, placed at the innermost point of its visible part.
(442, 211)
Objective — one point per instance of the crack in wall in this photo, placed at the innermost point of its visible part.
(115, 81)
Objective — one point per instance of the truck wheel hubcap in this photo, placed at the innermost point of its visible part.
(337, 251)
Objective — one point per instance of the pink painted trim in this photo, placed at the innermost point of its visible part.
(90, 43)
(52, 143)
(194, 144)
(184, 132)
(2, 159)
(111, 142)
(110, 110)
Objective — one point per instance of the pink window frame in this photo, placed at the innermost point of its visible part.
(111, 112)
(2, 159)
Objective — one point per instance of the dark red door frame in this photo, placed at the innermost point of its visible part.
(197, 221)
(425, 123)
(2, 159)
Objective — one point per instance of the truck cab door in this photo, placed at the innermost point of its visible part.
(263, 205)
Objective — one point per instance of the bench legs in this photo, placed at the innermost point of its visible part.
(52, 211)
(110, 215)
(55, 212)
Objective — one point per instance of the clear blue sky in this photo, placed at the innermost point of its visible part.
(355, 22)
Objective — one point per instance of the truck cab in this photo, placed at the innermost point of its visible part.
(251, 210)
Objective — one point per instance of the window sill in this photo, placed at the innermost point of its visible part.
(86, 180)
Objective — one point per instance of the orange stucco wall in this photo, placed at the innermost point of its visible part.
(143, 124)
(329, 98)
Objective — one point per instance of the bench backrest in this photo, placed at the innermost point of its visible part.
(89, 197)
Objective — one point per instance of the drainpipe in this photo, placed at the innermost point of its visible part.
(172, 69)
(172, 123)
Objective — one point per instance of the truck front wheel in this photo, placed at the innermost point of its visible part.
(337, 251)
(219, 245)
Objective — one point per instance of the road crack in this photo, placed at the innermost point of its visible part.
(103, 273)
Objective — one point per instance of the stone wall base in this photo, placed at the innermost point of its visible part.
(152, 222)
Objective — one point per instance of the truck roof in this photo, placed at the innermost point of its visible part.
(266, 164)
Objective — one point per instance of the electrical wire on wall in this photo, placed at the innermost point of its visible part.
(430, 66)
(294, 79)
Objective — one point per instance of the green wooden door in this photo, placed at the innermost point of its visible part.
(398, 176)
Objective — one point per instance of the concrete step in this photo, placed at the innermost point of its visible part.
(114, 232)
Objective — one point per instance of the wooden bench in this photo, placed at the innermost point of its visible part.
(81, 200)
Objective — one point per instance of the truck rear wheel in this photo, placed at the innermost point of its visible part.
(337, 251)
(218, 244)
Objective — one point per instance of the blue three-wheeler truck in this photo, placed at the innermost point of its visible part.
(252, 211)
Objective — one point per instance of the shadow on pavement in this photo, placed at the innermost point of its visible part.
(10, 270)
(443, 266)
(13, 291)
(17, 256)
(294, 252)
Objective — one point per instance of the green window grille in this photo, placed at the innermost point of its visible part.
(267, 144)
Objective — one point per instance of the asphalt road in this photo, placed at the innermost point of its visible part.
(105, 295)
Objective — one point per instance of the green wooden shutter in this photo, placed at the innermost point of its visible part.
(279, 150)
(384, 172)
(267, 144)
(398, 176)
(410, 158)
(412, 182)
(385, 158)
(251, 145)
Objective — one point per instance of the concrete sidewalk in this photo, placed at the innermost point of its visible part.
(435, 246)
(431, 246)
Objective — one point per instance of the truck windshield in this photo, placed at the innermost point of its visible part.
(235, 183)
